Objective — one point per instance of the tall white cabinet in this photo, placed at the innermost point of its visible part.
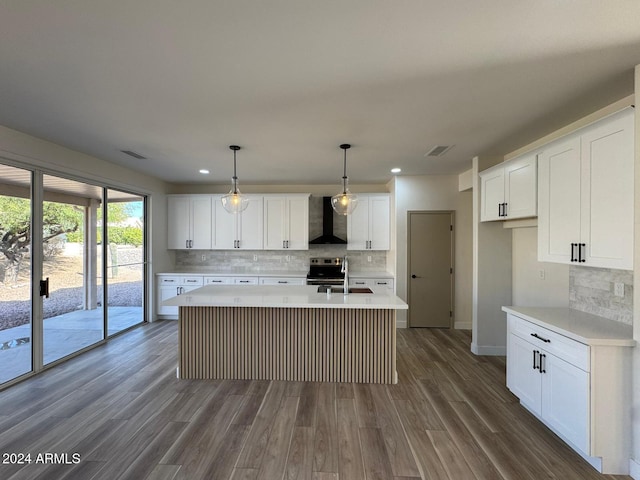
(241, 231)
(190, 222)
(585, 194)
(286, 222)
(368, 227)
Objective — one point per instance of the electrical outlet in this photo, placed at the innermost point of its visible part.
(255, 258)
(204, 258)
(541, 274)
(618, 289)
(369, 258)
(287, 258)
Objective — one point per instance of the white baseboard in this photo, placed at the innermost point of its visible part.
(634, 469)
(488, 350)
(462, 325)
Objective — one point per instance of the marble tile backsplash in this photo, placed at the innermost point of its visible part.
(591, 291)
(270, 260)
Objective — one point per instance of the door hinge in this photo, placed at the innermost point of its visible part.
(451, 228)
(450, 313)
(451, 270)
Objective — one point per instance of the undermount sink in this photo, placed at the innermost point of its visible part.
(324, 288)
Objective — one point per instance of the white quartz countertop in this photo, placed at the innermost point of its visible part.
(294, 296)
(370, 275)
(580, 326)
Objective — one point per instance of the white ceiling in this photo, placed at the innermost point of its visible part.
(290, 80)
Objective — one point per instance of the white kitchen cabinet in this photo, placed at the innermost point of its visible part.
(368, 227)
(243, 230)
(580, 391)
(586, 196)
(189, 222)
(286, 222)
(509, 190)
(170, 286)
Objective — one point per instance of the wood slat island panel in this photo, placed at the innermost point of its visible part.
(296, 344)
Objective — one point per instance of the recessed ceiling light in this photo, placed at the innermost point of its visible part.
(396, 170)
(204, 171)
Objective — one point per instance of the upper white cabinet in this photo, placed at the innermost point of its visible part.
(286, 222)
(368, 227)
(586, 196)
(243, 230)
(189, 222)
(508, 190)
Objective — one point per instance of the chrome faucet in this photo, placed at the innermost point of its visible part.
(345, 270)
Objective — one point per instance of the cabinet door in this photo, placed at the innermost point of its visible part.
(565, 400)
(178, 222)
(224, 233)
(275, 223)
(201, 222)
(607, 190)
(358, 225)
(165, 293)
(379, 228)
(521, 187)
(298, 223)
(492, 194)
(559, 200)
(522, 379)
(250, 229)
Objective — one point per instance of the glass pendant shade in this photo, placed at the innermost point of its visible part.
(344, 203)
(234, 201)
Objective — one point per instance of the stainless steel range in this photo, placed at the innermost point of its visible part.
(325, 271)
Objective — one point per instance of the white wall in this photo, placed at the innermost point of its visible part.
(435, 192)
(528, 286)
(25, 150)
(635, 399)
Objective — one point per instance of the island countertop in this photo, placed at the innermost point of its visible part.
(294, 296)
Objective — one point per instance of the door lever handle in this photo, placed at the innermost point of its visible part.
(44, 288)
(415, 276)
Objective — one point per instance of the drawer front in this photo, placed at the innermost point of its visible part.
(245, 280)
(575, 353)
(192, 281)
(282, 281)
(217, 280)
(169, 281)
(360, 282)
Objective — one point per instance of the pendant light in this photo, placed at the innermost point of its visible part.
(344, 203)
(234, 201)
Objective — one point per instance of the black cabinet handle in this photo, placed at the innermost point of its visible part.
(581, 254)
(499, 209)
(534, 359)
(504, 209)
(573, 255)
(542, 358)
(545, 340)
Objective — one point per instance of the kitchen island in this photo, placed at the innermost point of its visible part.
(286, 333)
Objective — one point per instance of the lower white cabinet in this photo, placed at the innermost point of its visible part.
(579, 391)
(170, 286)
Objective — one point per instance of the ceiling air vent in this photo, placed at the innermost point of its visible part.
(438, 150)
(133, 154)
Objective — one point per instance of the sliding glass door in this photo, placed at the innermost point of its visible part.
(71, 229)
(72, 267)
(126, 260)
(15, 273)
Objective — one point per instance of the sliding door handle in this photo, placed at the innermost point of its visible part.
(44, 288)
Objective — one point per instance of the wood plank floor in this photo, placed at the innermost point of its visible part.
(121, 408)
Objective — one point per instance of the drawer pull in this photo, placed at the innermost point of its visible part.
(541, 367)
(535, 352)
(545, 340)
